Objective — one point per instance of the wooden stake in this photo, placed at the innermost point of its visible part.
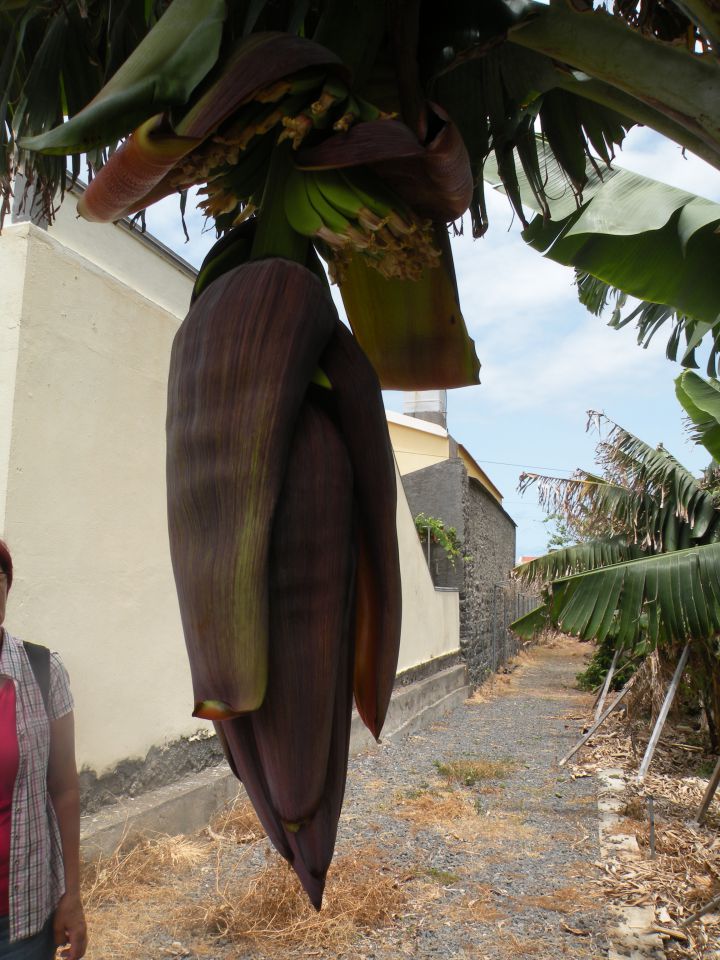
(664, 710)
(651, 818)
(709, 793)
(608, 710)
(708, 908)
(608, 681)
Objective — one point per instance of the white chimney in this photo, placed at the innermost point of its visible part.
(428, 405)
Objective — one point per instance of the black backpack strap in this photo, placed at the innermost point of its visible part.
(39, 658)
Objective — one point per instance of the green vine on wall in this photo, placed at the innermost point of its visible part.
(446, 537)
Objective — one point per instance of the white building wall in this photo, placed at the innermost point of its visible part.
(12, 285)
(84, 497)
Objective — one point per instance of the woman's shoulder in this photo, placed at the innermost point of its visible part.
(61, 698)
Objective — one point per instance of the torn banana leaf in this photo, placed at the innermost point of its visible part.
(651, 240)
(162, 72)
(700, 400)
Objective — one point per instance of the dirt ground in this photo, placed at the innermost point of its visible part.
(465, 840)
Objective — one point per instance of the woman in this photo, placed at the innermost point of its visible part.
(40, 904)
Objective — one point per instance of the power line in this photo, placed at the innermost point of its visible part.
(526, 466)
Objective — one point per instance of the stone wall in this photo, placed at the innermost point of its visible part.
(487, 534)
(490, 541)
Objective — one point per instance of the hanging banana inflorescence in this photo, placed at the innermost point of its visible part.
(281, 507)
(280, 474)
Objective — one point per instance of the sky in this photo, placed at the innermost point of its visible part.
(545, 360)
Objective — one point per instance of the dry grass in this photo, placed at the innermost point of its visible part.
(196, 890)
(470, 772)
(237, 823)
(432, 808)
(270, 910)
(685, 873)
(137, 865)
(567, 900)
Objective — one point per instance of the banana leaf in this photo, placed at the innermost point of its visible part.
(675, 597)
(675, 81)
(701, 401)
(648, 239)
(162, 72)
(577, 559)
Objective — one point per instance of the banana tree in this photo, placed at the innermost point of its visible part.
(356, 131)
(652, 575)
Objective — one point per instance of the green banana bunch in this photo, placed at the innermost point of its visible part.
(352, 212)
(281, 508)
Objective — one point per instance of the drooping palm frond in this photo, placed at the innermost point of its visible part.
(668, 597)
(701, 401)
(577, 559)
(676, 499)
(645, 495)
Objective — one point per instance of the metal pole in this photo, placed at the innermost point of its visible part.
(608, 710)
(608, 681)
(664, 710)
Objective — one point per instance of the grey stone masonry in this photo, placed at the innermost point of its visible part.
(487, 534)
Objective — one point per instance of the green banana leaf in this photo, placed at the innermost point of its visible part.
(648, 239)
(162, 72)
(664, 76)
(701, 401)
(577, 559)
(672, 596)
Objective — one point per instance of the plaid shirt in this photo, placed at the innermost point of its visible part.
(36, 867)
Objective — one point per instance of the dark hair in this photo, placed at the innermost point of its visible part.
(6, 562)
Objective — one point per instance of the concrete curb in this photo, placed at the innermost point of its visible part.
(630, 933)
(189, 804)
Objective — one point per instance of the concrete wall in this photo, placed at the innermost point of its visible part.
(13, 262)
(85, 508)
(83, 368)
(431, 618)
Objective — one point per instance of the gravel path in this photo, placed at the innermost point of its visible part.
(514, 874)
(463, 841)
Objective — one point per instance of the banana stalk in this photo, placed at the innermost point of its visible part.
(239, 369)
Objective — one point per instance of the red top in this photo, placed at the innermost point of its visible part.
(9, 759)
